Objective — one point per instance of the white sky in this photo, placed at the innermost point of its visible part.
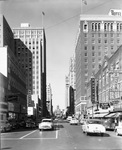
(61, 23)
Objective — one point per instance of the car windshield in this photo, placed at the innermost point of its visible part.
(46, 120)
(94, 122)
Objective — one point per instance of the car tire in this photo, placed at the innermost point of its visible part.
(102, 134)
(116, 133)
(87, 133)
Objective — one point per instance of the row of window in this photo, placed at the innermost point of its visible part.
(100, 48)
(112, 35)
(107, 26)
(112, 41)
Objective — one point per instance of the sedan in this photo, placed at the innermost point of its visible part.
(118, 130)
(73, 121)
(46, 124)
(93, 126)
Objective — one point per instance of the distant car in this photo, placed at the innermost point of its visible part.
(46, 124)
(69, 118)
(73, 121)
(118, 130)
(6, 126)
(93, 126)
(82, 121)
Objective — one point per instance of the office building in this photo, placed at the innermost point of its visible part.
(98, 36)
(13, 75)
(31, 52)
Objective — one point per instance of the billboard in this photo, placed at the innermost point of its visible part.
(30, 111)
(3, 61)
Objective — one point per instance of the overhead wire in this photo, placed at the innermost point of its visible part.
(63, 21)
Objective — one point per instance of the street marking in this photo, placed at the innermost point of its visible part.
(28, 139)
(27, 134)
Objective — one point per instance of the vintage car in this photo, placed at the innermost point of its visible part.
(118, 130)
(46, 124)
(69, 118)
(73, 121)
(6, 127)
(93, 126)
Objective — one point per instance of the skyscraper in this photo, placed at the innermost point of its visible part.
(99, 36)
(31, 52)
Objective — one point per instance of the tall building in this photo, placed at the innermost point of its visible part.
(70, 86)
(99, 36)
(31, 52)
(13, 85)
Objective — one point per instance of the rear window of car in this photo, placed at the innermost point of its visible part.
(94, 122)
(46, 120)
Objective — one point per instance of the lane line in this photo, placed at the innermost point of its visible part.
(27, 134)
(57, 132)
(29, 139)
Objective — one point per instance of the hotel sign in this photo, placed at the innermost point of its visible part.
(115, 12)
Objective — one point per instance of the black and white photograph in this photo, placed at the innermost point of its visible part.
(60, 74)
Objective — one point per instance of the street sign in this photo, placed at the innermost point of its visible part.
(93, 90)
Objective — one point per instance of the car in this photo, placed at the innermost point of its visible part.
(6, 126)
(46, 124)
(93, 126)
(69, 118)
(73, 121)
(118, 130)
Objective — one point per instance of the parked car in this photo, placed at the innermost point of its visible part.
(46, 124)
(118, 130)
(109, 124)
(6, 126)
(93, 126)
(73, 121)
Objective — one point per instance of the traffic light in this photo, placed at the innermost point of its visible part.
(93, 90)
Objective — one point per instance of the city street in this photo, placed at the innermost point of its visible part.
(64, 137)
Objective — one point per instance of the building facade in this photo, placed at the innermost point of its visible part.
(15, 94)
(70, 86)
(99, 36)
(31, 52)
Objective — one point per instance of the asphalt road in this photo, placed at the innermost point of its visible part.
(64, 137)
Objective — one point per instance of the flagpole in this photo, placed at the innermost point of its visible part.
(43, 19)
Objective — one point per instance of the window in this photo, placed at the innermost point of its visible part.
(93, 53)
(99, 40)
(120, 26)
(93, 35)
(98, 26)
(85, 35)
(93, 47)
(99, 34)
(85, 59)
(105, 40)
(85, 47)
(85, 54)
(85, 26)
(118, 35)
(112, 35)
(118, 41)
(105, 27)
(112, 47)
(105, 34)
(111, 26)
(99, 53)
(112, 41)
(93, 41)
(92, 26)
